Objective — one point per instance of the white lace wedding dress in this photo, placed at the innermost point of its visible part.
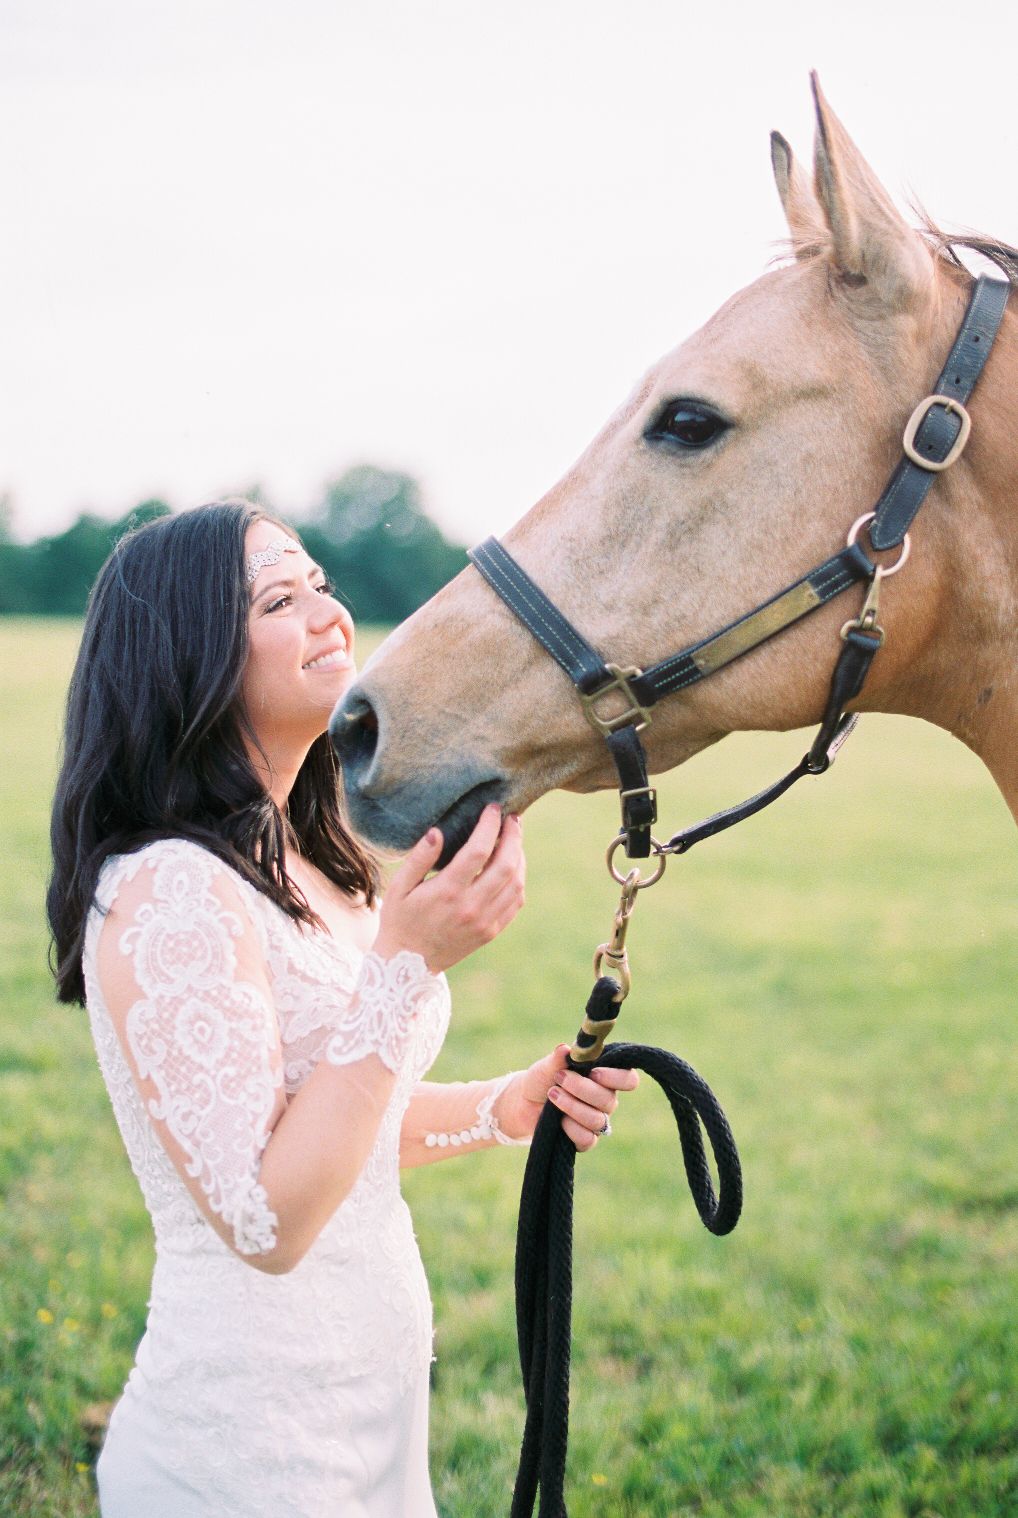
(302, 1395)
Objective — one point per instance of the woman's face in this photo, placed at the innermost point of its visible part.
(300, 655)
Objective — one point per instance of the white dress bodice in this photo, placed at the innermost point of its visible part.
(300, 1395)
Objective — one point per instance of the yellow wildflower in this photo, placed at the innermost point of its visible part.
(44, 1315)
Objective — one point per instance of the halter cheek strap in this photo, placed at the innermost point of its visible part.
(618, 700)
(938, 428)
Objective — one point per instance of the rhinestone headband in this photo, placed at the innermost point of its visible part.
(269, 555)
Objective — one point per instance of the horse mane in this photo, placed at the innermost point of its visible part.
(942, 244)
(946, 245)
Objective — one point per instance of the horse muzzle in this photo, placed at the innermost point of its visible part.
(392, 802)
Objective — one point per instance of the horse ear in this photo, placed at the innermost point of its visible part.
(871, 244)
(802, 209)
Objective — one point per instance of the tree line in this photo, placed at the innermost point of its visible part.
(369, 532)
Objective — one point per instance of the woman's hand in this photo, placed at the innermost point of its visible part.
(585, 1101)
(462, 907)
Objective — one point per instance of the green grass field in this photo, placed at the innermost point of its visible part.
(841, 970)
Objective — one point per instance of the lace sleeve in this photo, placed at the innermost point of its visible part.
(390, 997)
(183, 975)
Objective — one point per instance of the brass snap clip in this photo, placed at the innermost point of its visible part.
(610, 958)
(866, 621)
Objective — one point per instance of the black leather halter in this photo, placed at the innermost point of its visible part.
(934, 438)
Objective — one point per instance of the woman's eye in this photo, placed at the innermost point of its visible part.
(326, 588)
(277, 603)
(690, 424)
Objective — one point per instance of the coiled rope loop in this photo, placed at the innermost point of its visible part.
(545, 1241)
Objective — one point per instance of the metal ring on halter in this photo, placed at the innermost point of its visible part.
(639, 884)
(883, 570)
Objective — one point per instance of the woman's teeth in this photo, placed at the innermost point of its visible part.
(335, 660)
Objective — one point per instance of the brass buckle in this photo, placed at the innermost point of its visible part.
(640, 790)
(916, 420)
(620, 682)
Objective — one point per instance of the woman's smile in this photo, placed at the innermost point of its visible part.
(336, 658)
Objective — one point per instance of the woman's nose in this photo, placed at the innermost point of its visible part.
(328, 612)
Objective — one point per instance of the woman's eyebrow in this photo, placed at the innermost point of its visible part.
(273, 585)
(315, 569)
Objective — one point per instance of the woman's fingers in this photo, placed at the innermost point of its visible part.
(586, 1101)
(496, 894)
(616, 1080)
(506, 859)
(470, 860)
(463, 906)
(503, 901)
(580, 1137)
(417, 864)
(590, 1109)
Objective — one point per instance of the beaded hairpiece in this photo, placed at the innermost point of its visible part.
(271, 554)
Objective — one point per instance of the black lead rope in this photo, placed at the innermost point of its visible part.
(544, 1245)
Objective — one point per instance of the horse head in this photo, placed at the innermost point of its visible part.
(738, 462)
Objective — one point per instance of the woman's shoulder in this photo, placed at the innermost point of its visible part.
(169, 869)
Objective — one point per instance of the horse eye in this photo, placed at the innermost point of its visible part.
(688, 423)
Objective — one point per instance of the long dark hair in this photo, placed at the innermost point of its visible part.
(154, 742)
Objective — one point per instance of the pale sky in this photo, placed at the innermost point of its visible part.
(258, 241)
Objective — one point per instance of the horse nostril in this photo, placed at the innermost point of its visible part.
(353, 730)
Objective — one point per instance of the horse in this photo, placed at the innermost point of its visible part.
(741, 459)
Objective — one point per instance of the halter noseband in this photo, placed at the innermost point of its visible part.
(934, 439)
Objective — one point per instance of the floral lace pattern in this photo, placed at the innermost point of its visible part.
(392, 994)
(270, 1394)
(204, 1038)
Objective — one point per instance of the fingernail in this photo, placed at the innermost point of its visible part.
(433, 835)
(554, 1094)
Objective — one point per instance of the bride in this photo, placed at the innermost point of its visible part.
(264, 1024)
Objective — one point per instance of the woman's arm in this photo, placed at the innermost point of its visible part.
(443, 1120)
(182, 970)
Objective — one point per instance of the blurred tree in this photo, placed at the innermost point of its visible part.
(146, 511)
(15, 594)
(370, 533)
(54, 575)
(374, 538)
